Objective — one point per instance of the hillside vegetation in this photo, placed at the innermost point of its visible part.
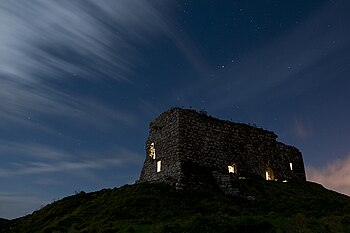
(261, 207)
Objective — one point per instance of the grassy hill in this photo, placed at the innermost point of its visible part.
(261, 207)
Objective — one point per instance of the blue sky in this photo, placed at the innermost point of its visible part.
(81, 80)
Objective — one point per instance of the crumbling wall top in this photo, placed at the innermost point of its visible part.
(202, 115)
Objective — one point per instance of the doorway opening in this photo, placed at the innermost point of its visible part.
(269, 174)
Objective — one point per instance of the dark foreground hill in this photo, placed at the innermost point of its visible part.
(262, 207)
(4, 224)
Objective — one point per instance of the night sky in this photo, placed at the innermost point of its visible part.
(80, 81)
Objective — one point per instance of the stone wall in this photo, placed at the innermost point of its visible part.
(195, 151)
(164, 133)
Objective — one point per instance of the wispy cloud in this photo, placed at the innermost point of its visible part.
(42, 159)
(89, 38)
(43, 43)
(37, 167)
(21, 104)
(31, 150)
(31, 168)
(335, 175)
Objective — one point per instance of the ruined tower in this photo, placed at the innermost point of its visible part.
(191, 150)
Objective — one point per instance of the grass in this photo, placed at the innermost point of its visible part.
(278, 207)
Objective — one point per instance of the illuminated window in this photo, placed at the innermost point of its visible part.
(232, 168)
(291, 166)
(269, 174)
(159, 166)
(152, 151)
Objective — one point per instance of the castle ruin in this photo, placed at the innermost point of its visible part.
(194, 151)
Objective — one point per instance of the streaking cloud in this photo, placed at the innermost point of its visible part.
(45, 46)
(85, 38)
(48, 43)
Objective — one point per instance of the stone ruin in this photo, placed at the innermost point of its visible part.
(194, 151)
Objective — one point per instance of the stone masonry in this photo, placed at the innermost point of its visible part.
(194, 151)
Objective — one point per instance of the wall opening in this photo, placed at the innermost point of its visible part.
(152, 151)
(159, 166)
(269, 174)
(232, 168)
(291, 166)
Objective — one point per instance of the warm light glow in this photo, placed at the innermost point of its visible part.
(291, 166)
(232, 169)
(269, 174)
(159, 166)
(285, 181)
(152, 151)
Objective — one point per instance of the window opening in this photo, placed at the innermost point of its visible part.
(159, 166)
(269, 174)
(232, 168)
(291, 166)
(152, 151)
